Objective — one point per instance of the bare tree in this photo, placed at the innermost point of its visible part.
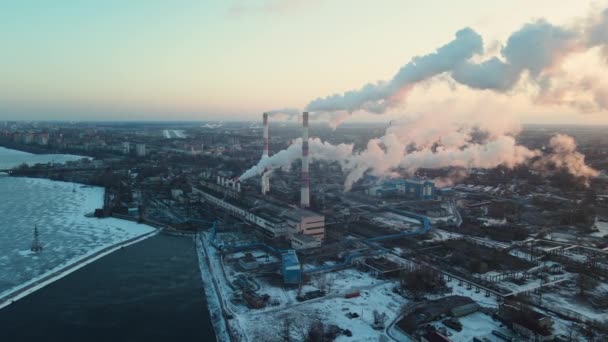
(286, 331)
(585, 283)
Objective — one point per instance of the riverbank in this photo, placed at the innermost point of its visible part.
(149, 291)
(54, 275)
(69, 238)
(215, 301)
(10, 158)
(33, 149)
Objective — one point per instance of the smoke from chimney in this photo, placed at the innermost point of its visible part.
(534, 54)
(537, 50)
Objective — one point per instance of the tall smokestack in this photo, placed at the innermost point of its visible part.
(305, 188)
(266, 149)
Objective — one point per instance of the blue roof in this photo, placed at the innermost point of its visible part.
(290, 258)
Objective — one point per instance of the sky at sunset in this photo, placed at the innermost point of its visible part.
(234, 59)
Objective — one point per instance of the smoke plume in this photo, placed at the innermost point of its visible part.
(565, 157)
(284, 114)
(377, 97)
(319, 150)
(437, 142)
(537, 50)
(534, 53)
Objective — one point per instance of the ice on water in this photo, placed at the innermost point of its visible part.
(65, 233)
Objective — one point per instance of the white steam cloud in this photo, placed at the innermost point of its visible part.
(284, 114)
(318, 150)
(422, 145)
(377, 97)
(437, 142)
(565, 157)
(537, 50)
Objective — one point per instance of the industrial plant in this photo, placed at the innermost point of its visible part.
(461, 197)
(291, 243)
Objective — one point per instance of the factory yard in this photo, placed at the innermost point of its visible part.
(333, 309)
(285, 312)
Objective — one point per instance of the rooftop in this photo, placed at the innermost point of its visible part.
(290, 258)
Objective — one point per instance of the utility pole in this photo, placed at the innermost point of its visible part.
(532, 251)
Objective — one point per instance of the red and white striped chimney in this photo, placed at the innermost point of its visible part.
(266, 149)
(305, 188)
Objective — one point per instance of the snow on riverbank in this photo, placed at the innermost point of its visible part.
(58, 210)
(213, 297)
(13, 158)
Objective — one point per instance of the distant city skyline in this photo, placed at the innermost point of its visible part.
(233, 60)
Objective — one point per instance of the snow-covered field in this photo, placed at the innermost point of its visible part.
(602, 228)
(268, 324)
(332, 309)
(477, 324)
(173, 134)
(566, 297)
(12, 158)
(58, 210)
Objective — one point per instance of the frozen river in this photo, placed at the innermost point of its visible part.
(57, 209)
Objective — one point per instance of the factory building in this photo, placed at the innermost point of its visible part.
(140, 149)
(126, 147)
(272, 226)
(305, 222)
(415, 189)
(302, 227)
(291, 269)
(420, 189)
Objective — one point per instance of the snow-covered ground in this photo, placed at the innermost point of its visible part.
(477, 324)
(602, 228)
(463, 290)
(566, 297)
(332, 309)
(268, 324)
(173, 134)
(213, 300)
(58, 210)
(12, 158)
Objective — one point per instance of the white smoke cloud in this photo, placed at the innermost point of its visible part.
(398, 150)
(537, 51)
(379, 96)
(564, 156)
(437, 142)
(597, 31)
(318, 150)
(535, 48)
(284, 114)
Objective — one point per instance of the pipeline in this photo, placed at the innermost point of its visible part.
(372, 242)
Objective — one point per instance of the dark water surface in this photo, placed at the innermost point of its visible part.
(150, 291)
